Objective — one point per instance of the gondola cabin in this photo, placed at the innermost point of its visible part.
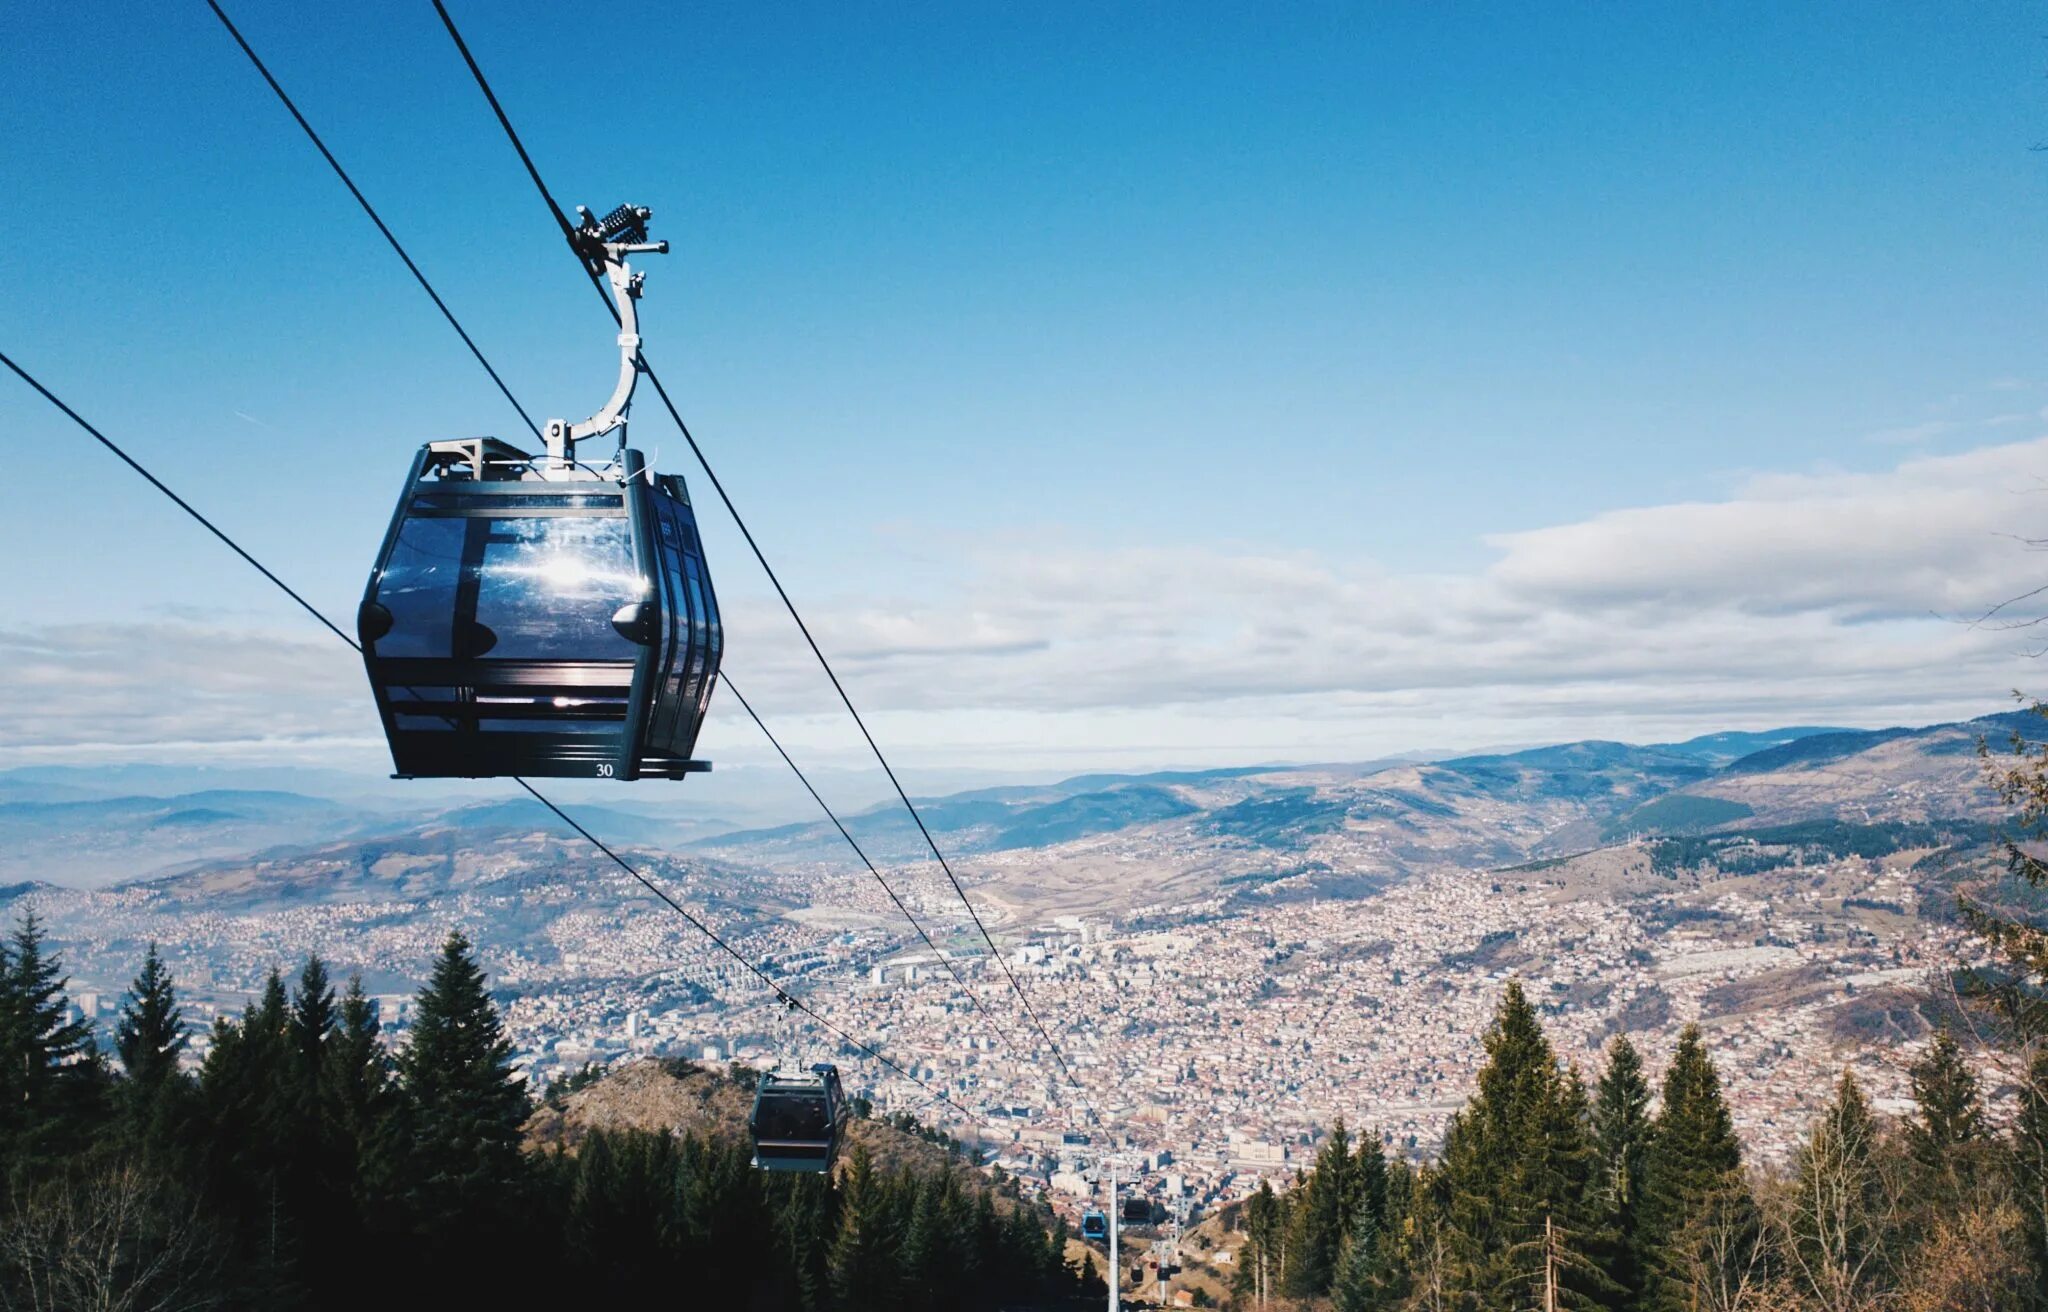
(1094, 1226)
(796, 1120)
(541, 614)
(519, 622)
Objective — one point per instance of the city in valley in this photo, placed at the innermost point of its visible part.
(1224, 964)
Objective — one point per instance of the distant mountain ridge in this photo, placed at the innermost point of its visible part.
(1583, 793)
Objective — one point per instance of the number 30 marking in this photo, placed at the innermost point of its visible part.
(604, 772)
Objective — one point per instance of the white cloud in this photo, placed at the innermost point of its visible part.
(102, 687)
(1820, 596)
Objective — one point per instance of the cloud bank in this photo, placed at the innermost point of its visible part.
(1813, 597)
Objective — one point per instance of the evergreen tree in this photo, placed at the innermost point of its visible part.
(1358, 1276)
(863, 1257)
(1947, 1132)
(462, 1171)
(1260, 1267)
(1518, 1162)
(1621, 1130)
(312, 1024)
(1699, 1227)
(924, 1276)
(150, 1036)
(1579, 1248)
(804, 1227)
(50, 1076)
(150, 1032)
(249, 1103)
(1319, 1215)
(358, 1075)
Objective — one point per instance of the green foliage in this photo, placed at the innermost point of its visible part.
(1676, 813)
(303, 1149)
(1807, 842)
(1699, 1223)
(1947, 1132)
(1357, 1286)
(1319, 1217)
(464, 1110)
(1519, 1171)
(51, 1080)
(156, 1098)
(1621, 1137)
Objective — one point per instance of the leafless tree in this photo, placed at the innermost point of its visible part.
(1838, 1218)
(1721, 1250)
(117, 1241)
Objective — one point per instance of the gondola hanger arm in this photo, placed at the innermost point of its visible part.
(604, 245)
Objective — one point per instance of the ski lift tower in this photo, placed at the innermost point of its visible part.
(1115, 1210)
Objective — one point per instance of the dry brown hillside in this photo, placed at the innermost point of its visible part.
(646, 1095)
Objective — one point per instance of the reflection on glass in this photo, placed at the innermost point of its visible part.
(418, 587)
(548, 588)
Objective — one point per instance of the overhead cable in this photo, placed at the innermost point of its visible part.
(562, 221)
(781, 994)
(481, 359)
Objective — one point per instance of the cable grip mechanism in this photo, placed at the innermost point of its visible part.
(603, 245)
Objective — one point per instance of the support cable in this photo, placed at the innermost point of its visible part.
(647, 367)
(370, 210)
(781, 994)
(475, 350)
(937, 951)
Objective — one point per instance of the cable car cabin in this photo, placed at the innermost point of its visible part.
(1137, 1211)
(795, 1122)
(528, 617)
(1094, 1225)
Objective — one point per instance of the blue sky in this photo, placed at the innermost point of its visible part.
(1133, 384)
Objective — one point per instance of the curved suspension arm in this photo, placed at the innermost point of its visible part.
(562, 437)
(625, 286)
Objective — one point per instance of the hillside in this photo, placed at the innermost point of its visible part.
(682, 1098)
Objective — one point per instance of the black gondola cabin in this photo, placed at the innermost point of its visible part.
(524, 620)
(795, 1121)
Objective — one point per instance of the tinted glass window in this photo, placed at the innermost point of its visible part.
(548, 588)
(792, 1116)
(418, 587)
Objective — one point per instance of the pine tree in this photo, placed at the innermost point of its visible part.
(862, 1259)
(803, 1225)
(924, 1248)
(358, 1074)
(312, 1023)
(150, 1037)
(249, 1100)
(1580, 1248)
(1621, 1130)
(1518, 1157)
(1319, 1215)
(150, 1032)
(462, 1171)
(1260, 1268)
(1947, 1133)
(1699, 1226)
(1358, 1275)
(50, 1073)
